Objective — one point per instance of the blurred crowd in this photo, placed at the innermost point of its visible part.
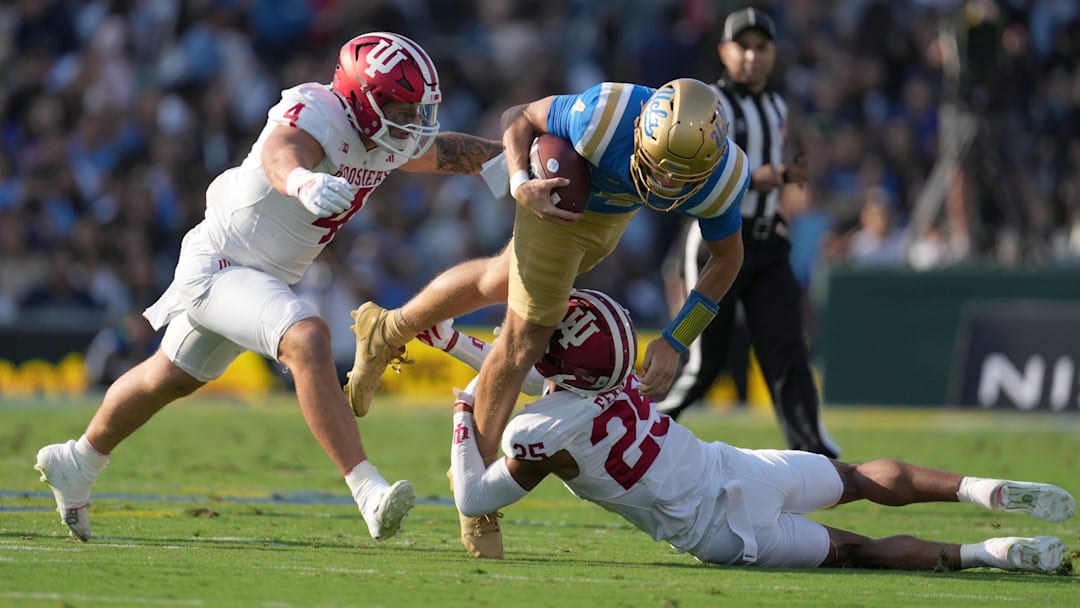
(116, 114)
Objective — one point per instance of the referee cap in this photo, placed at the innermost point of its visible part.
(748, 18)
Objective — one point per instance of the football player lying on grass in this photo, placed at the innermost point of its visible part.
(608, 444)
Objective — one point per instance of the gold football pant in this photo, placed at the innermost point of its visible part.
(545, 259)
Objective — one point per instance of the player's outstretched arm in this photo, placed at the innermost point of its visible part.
(288, 156)
(454, 152)
(286, 149)
(478, 490)
(472, 351)
(661, 358)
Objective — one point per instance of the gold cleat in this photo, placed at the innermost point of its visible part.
(482, 536)
(373, 355)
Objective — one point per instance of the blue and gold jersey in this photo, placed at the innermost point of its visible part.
(600, 124)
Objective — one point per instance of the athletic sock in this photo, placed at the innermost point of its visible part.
(365, 483)
(93, 460)
(978, 491)
(973, 556)
(396, 331)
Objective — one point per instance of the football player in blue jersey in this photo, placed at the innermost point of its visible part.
(664, 148)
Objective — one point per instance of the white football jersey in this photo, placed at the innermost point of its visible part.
(632, 460)
(254, 225)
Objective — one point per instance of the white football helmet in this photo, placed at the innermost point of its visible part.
(378, 68)
(594, 347)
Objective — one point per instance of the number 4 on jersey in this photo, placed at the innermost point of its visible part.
(293, 114)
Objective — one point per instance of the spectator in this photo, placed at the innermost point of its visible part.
(876, 241)
(163, 95)
(60, 297)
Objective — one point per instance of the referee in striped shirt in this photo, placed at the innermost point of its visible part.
(766, 285)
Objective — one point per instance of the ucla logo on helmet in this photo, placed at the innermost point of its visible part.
(717, 133)
(656, 111)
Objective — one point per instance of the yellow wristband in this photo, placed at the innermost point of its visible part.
(695, 316)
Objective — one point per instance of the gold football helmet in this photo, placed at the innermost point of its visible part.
(679, 139)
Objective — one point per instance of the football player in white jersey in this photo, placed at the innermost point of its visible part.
(664, 148)
(605, 440)
(324, 149)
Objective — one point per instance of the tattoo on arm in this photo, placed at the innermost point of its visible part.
(462, 153)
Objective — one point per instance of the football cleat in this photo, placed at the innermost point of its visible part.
(373, 355)
(1042, 500)
(392, 508)
(70, 484)
(1039, 554)
(482, 536)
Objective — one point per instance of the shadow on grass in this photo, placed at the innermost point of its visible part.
(987, 575)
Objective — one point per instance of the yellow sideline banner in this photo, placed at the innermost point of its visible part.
(250, 377)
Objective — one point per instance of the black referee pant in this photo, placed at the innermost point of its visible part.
(772, 303)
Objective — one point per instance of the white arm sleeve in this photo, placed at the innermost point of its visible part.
(472, 351)
(478, 491)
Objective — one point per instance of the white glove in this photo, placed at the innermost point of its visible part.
(320, 193)
(439, 335)
(468, 394)
(535, 384)
(496, 176)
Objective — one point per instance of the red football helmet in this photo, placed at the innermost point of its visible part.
(594, 348)
(378, 68)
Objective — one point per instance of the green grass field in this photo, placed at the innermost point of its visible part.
(216, 503)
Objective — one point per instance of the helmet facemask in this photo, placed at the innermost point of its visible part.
(419, 128)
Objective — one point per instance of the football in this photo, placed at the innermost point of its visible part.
(553, 156)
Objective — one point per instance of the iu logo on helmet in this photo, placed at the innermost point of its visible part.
(384, 57)
(577, 327)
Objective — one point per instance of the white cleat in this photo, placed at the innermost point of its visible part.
(394, 505)
(70, 486)
(1039, 554)
(1042, 500)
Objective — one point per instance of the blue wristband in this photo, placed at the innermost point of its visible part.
(695, 316)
